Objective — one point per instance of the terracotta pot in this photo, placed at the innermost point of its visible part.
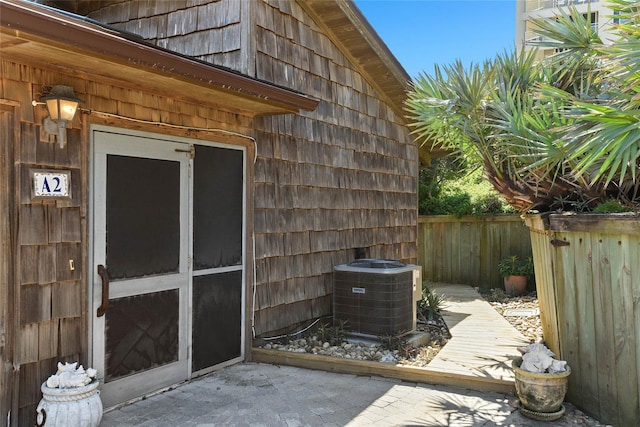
(515, 285)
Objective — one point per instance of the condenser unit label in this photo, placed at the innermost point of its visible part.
(358, 290)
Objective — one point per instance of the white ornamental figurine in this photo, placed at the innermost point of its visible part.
(70, 397)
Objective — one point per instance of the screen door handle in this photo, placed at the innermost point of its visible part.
(104, 275)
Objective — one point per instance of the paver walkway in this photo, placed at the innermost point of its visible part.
(266, 395)
(256, 394)
(482, 343)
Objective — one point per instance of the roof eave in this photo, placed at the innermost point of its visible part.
(372, 55)
(83, 36)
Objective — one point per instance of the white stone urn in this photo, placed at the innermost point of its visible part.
(70, 407)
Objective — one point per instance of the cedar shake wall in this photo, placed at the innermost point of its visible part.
(48, 301)
(209, 30)
(8, 136)
(327, 181)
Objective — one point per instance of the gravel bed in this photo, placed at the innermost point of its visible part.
(398, 351)
(402, 353)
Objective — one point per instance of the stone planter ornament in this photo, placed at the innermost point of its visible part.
(70, 398)
(541, 383)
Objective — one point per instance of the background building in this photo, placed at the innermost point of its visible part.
(599, 14)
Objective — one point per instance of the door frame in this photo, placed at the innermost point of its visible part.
(92, 274)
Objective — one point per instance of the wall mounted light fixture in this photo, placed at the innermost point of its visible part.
(62, 104)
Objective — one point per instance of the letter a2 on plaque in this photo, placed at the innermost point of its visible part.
(50, 184)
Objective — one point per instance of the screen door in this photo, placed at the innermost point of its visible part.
(140, 264)
(168, 268)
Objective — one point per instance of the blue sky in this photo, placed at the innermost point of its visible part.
(421, 33)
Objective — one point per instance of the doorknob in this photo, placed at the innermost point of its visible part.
(104, 275)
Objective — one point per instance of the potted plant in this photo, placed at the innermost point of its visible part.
(516, 272)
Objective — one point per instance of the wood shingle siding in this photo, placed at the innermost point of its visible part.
(8, 324)
(342, 176)
(48, 296)
(208, 30)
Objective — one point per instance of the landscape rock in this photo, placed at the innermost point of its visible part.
(538, 358)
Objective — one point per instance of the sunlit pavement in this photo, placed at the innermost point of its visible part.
(252, 394)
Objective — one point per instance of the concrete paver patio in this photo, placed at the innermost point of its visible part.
(255, 394)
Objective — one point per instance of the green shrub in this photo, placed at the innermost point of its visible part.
(490, 204)
(430, 304)
(334, 335)
(610, 206)
(464, 193)
(451, 204)
(398, 343)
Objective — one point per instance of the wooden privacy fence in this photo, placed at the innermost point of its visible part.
(588, 278)
(467, 250)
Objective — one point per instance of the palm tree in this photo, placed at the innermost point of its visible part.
(564, 129)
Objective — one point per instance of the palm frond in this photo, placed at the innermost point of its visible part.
(566, 127)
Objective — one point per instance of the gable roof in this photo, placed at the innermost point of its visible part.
(35, 32)
(41, 35)
(350, 30)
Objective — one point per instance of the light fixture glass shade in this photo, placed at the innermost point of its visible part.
(62, 103)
